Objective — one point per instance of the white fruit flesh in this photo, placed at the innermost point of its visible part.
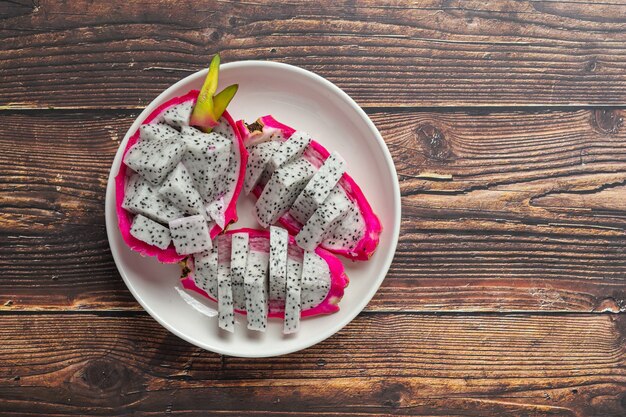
(319, 188)
(206, 271)
(228, 181)
(324, 220)
(178, 115)
(150, 232)
(281, 191)
(216, 211)
(179, 190)
(348, 233)
(154, 159)
(207, 159)
(279, 243)
(142, 198)
(190, 235)
(258, 157)
(291, 322)
(289, 151)
(238, 262)
(157, 131)
(226, 314)
(315, 281)
(255, 282)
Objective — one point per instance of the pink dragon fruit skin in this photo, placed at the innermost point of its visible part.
(338, 279)
(368, 243)
(125, 218)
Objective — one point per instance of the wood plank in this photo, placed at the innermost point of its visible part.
(531, 219)
(85, 54)
(571, 365)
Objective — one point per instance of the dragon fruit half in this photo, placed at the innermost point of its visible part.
(165, 146)
(355, 229)
(321, 288)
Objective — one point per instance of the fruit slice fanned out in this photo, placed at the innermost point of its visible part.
(258, 157)
(281, 191)
(325, 220)
(357, 235)
(319, 188)
(320, 293)
(279, 246)
(255, 284)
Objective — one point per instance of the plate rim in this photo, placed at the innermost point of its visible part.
(397, 215)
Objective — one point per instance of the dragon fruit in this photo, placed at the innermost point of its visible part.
(190, 235)
(288, 151)
(293, 295)
(157, 131)
(178, 189)
(207, 159)
(159, 208)
(258, 157)
(178, 115)
(255, 284)
(206, 270)
(281, 191)
(279, 244)
(358, 234)
(321, 291)
(154, 159)
(142, 198)
(225, 304)
(318, 188)
(325, 220)
(238, 261)
(150, 232)
(313, 286)
(206, 113)
(216, 211)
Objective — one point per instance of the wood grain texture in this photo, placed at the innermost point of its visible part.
(89, 54)
(513, 211)
(81, 364)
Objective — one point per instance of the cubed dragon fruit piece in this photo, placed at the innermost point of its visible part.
(190, 235)
(150, 232)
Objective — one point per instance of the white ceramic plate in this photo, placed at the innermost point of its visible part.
(307, 102)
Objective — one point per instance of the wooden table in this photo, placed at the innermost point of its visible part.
(505, 120)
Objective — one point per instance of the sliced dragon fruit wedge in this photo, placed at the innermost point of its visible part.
(255, 284)
(163, 146)
(318, 188)
(238, 262)
(281, 191)
(289, 151)
(322, 286)
(206, 270)
(324, 220)
(358, 233)
(293, 295)
(259, 156)
(225, 305)
(279, 245)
